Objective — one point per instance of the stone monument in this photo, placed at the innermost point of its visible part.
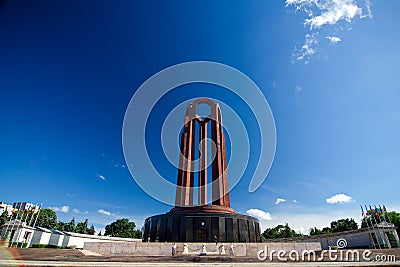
(204, 221)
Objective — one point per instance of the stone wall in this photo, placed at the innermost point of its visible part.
(164, 249)
(358, 238)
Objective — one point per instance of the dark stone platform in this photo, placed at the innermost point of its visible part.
(201, 227)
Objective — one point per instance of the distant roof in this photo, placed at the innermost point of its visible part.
(43, 229)
(103, 237)
(56, 231)
(87, 236)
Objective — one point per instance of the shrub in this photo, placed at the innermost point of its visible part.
(36, 245)
(19, 244)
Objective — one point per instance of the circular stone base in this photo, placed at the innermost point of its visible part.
(204, 208)
(191, 226)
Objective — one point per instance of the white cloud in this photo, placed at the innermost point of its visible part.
(102, 177)
(297, 88)
(333, 11)
(295, 201)
(333, 39)
(339, 198)
(279, 200)
(302, 231)
(79, 212)
(63, 209)
(105, 212)
(325, 13)
(259, 214)
(308, 49)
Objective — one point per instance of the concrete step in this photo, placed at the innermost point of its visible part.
(89, 252)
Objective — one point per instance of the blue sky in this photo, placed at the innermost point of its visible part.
(68, 70)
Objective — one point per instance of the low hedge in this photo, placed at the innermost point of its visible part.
(36, 245)
(19, 244)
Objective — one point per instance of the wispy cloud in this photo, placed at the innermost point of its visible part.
(295, 201)
(339, 199)
(118, 165)
(101, 211)
(332, 15)
(79, 212)
(63, 209)
(297, 89)
(270, 189)
(279, 200)
(259, 214)
(308, 49)
(102, 177)
(333, 39)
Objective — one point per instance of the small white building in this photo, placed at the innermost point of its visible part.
(40, 236)
(17, 231)
(56, 238)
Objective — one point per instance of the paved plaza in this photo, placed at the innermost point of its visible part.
(74, 257)
(7, 263)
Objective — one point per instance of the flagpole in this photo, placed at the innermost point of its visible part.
(384, 212)
(37, 215)
(33, 214)
(22, 224)
(19, 225)
(9, 222)
(383, 225)
(11, 237)
(372, 224)
(384, 209)
(381, 217)
(366, 221)
(380, 233)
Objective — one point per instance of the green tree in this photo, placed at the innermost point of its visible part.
(4, 218)
(91, 230)
(316, 231)
(336, 227)
(137, 234)
(122, 228)
(343, 225)
(82, 227)
(280, 231)
(61, 226)
(71, 227)
(394, 218)
(47, 218)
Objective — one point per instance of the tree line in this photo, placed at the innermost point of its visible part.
(284, 231)
(47, 218)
